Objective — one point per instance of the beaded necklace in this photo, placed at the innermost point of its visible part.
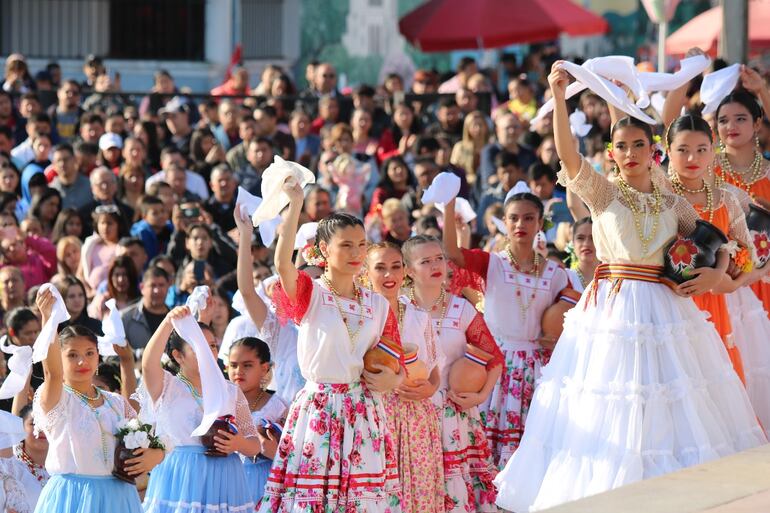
(581, 277)
(524, 304)
(253, 404)
(681, 190)
(401, 314)
(755, 171)
(38, 472)
(630, 194)
(359, 298)
(198, 398)
(87, 401)
(441, 301)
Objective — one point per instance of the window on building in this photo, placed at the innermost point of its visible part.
(375, 45)
(375, 3)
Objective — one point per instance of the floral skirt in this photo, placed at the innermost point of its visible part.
(505, 412)
(639, 385)
(335, 454)
(468, 467)
(751, 330)
(417, 437)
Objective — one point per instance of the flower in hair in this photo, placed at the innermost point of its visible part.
(609, 151)
(313, 256)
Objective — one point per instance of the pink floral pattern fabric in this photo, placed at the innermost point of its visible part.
(509, 402)
(415, 429)
(335, 455)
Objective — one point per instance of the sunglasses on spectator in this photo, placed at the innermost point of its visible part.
(107, 209)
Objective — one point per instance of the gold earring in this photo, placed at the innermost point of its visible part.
(756, 141)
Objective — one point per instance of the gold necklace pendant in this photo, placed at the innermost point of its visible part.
(630, 195)
(359, 296)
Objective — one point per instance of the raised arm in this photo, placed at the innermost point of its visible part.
(576, 207)
(254, 304)
(285, 246)
(565, 145)
(755, 84)
(675, 100)
(53, 371)
(152, 370)
(453, 250)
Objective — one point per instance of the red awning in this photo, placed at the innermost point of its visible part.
(443, 25)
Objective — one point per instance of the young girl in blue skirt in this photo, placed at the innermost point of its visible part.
(80, 420)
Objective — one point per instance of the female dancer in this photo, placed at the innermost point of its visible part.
(631, 391)
(468, 467)
(79, 421)
(521, 277)
(336, 452)
(690, 150)
(740, 163)
(249, 368)
(582, 268)
(188, 480)
(411, 413)
(32, 452)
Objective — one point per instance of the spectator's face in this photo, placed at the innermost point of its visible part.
(75, 300)
(14, 250)
(74, 226)
(265, 122)
(394, 84)
(103, 185)
(50, 208)
(71, 256)
(42, 148)
(508, 129)
(198, 243)
(449, 117)
(29, 106)
(31, 227)
(69, 96)
(344, 144)
(425, 175)
(466, 100)
(590, 107)
(65, 165)
(583, 241)
(136, 253)
(362, 121)
(172, 158)
(228, 116)
(241, 79)
(120, 280)
(509, 176)
(107, 228)
(247, 130)
(154, 290)
(35, 129)
(11, 286)
(115, 125)
(6, 107)
(310, 73)
(177, 179)
(318, 205)
(6, 145)
(133, 152)
(85, 161)
(403, 117)
(9, 180)
(223, 185)
(329, 110)
(178, 123)
(260, 155)
(325, 78)
(91, 132)
(300, 126)
(397, 224)
(93, 70)
(103, 83)
(156, 216)
(26, 336)
(548, 153)
(112, 156)
(542, 188)
(397, 173)
(164, 85)
(8, 220)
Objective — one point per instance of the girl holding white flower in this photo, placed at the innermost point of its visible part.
(188, 480)
(80, 421)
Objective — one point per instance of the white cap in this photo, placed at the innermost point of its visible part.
(110, 140)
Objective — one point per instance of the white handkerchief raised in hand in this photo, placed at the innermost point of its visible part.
(274, 199)
(196, 301)
(500, 225)
(717, 85)
(219, 399)
(11, 430)
(305, 234)
(622, 69)
(249, 204)
(444, 188)
(689, 68)
(46, 337)
(520, 188)
(462, 208)
(578, 125)
(19, 367)
(113, 329)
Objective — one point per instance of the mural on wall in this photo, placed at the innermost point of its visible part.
(361, 37)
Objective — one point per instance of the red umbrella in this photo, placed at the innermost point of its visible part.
(442, 25)
(704, 30)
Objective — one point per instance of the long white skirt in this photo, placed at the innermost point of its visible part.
(639, 385)
(751, 333)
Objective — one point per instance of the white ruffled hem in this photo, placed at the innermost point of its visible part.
(639, 385)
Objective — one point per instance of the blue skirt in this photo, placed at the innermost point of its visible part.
(256, 476)
(75, 493)
(188, 481)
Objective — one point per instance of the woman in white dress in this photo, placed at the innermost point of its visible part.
(639, 383)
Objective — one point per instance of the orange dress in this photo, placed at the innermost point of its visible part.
(760, 189)
(715, 304)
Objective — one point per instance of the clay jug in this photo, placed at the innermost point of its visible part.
(119, 461)
(415, 369)
(222, 423)
(699, 249)
(468, 373)
(386, 353)
(552, 322)
(758, 221)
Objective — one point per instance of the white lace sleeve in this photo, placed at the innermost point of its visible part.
(148, 410)
(15, 495)
(593, 188)
(271, 328)
(46, 421)
(686, 214)
(243, 418)
(738, 230)
(744, 200)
